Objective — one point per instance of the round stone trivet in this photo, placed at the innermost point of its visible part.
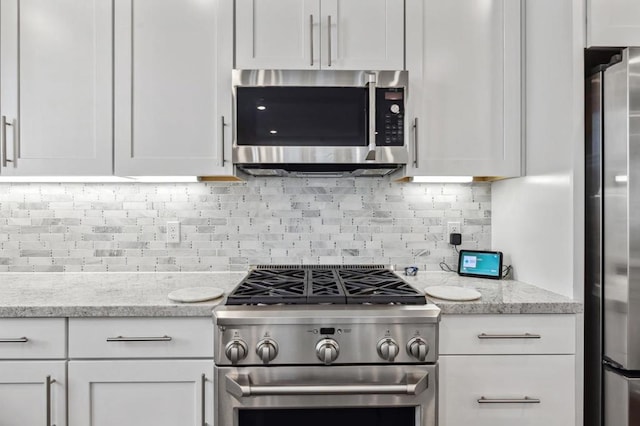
(196, 294)
(452, 293)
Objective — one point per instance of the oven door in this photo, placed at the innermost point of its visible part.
(326, 395)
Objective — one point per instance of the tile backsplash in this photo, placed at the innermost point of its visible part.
(231, 225)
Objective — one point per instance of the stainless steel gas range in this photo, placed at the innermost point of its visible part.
(318, 345)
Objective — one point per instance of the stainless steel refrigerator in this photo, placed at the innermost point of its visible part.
(612, 292)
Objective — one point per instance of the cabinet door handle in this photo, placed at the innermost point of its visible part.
(3, 140)
(14, 340)
(329, 26)
(139, 339)
(48, 383)
(203, 381)
(311, 36)
(524, 400)
(509, 336)
(222, 126)
(415, 142)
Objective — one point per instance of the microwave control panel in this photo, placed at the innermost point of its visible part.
(390, 116)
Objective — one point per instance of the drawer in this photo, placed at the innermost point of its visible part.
(140, 337)
(32, 338)
(507, 334)
(502, 380)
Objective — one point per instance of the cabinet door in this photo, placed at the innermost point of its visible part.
(140, 393)
(278, 34)
(503, 383)
(173, 61)
(464, 68)
(55, 86)
(27, 396)
(363, 34)
(613, 23)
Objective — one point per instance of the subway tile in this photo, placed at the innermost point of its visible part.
(35, 253)
(226, 226)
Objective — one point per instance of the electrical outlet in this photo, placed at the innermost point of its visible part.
(173, 232)
(453, 228)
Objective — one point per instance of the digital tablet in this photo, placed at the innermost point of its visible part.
(482, 264)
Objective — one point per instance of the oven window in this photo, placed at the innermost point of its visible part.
(397, 416)
(302, 116)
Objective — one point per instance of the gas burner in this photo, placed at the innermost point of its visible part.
(377, 286)
(324, 284)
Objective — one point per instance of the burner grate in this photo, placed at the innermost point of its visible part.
(324, 284)
(379, 286)
(267, 286)
(324, 287)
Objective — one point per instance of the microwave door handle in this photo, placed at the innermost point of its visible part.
(371, 155)
(311, 38)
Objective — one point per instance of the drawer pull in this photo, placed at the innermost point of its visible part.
(48, 383)
(509, 336)
(138, 339)
(525, 400)
(14, 340)
(203, 387)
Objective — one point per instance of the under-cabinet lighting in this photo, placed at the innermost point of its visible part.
(63, 179)
(98, 179)
(164, 179)
(442, 179)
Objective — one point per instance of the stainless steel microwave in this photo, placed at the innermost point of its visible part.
(327, 123)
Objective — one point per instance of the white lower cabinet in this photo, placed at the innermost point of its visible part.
(140, 372)
(33, 393)
(507, 370)
(32, 383)
(507, 390)
(141, 393)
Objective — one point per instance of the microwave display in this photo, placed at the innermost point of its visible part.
(389, 116)
(302, 116)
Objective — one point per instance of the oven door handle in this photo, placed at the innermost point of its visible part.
(240, 386)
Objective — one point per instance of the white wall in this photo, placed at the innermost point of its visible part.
(538, 219)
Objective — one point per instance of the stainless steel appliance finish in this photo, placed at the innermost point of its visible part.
(306, 362)
(622, 211)
(297, 330)
(613, 253)
(371, 158)
(622, 404)
(304, 388)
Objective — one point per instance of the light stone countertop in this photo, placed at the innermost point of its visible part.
(498, 296)
(144, 294)
(107, 294)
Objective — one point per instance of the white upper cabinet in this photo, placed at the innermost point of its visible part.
(612, 23)
(277, 34)
(173, 61)
(320, 34)
(464, 63)
(55, 87)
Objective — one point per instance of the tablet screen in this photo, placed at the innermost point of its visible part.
(485, 264)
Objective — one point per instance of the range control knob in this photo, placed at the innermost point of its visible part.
(388, 349)
(327, 350)
(236, 350)
(395, 108)
(418, 348)
(267, 350)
